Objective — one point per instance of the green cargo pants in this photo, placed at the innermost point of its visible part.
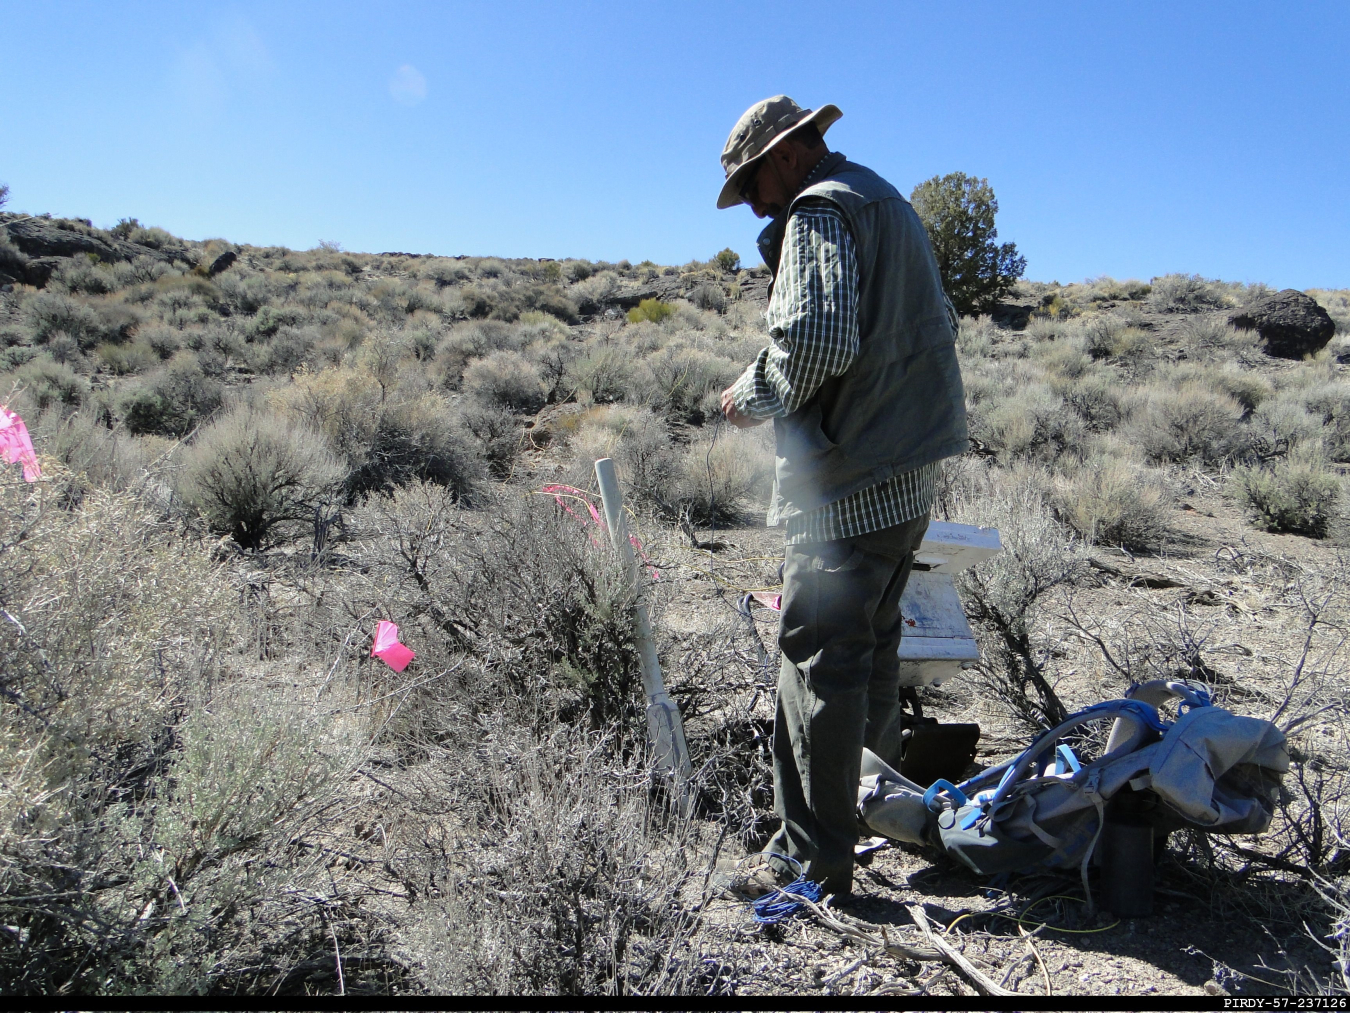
(838, 689)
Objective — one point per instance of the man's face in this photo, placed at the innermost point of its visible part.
(767, 191)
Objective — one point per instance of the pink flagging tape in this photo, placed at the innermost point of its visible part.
(769, 601)
(17, 445)
(562, 493)
(558, 491)
(388, 649)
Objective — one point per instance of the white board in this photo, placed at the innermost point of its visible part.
(937, 642)
(949, 548)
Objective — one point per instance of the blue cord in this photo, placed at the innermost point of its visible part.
(782, 903)
(774, 907)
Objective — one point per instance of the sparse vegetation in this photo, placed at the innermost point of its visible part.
(1297, 495)
(212, 788)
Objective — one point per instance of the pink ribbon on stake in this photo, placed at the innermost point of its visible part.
(388, 649)
(17, 445)
(572, 492)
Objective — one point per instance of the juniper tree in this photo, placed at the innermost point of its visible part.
(958, 212)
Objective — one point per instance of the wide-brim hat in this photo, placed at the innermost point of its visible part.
(762, 126)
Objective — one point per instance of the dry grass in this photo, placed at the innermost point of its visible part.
(212, 788)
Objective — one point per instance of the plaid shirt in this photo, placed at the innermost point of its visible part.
(813, 332)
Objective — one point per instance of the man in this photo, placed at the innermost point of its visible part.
(861, 380)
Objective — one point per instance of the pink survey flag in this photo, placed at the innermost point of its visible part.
(388, 649)
(16, 445)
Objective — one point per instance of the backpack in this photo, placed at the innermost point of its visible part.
(1209, 770)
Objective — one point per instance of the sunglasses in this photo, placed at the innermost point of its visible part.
(747, 191)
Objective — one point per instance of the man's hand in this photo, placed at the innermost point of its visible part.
(734, 415)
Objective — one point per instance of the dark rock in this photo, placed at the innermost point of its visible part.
(1290, 323)
(38, 271)
(222, 263)
(41, 237)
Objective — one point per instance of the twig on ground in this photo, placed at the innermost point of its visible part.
(973, 974)
(1031, 945)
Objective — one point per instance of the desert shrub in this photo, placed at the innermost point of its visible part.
(604, 373)
(384, 437)
(1044, 328)
(445, 273)
(14, 356)
(578, 270)
(496, 434)
(524, 591)
(975, 336)
(172, 401)
(1110, 336)
(1206, 335)
(958, 211)
(679, 379)
(652, 310)
(154, 237)
(467, 342)
(1186, 293)
(1106, 289)
(552, 359)
(647, 460)
(182, 306)
(422, 343)
(271, 318)
(710, 297)
(64, 349)
(548, 299)
(1298, 495)
(1006, 593)
(51, 383)
(1246, 388)
(728, 260)
(1280, 424)
(1098, 400)
(1062, 359)
(253, 475)
(287, 351)
(50, 313)
(1190, 422)
(1033, 422)
(84, 275)
(104, 458)
(591, 294)
(13, 261)
(119, 625)
(123, 360)
(244, 294)
(718, 478)
(588, 834)
(507, 379)
(163, 341)
(1331, 403)
(1112, 500)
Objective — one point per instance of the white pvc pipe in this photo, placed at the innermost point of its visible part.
(665, 730)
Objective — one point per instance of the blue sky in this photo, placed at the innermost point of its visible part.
(1130, 139)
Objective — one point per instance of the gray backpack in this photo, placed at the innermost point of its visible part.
(1210, 770)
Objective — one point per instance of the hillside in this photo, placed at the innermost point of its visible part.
(251, 455)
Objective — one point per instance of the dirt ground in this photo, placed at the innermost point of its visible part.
(1211, 933)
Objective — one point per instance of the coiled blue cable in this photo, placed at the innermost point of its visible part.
(783, 902)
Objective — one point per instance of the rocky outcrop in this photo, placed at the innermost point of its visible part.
(45, 237)
(1290, 323)
(222, 263)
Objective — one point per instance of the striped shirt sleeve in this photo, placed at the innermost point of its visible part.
(812, 316)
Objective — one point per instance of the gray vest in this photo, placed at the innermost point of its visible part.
(900, 405)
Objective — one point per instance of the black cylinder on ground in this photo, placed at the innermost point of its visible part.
(1127, 867)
